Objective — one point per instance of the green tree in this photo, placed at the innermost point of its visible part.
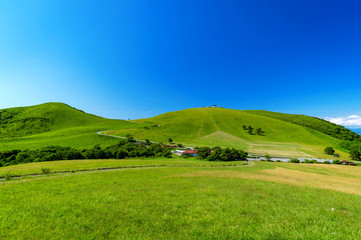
(259, 131)
(355, 155)
(294, 160)
(329, 150)
(267, 157)
(250, 130)
(203, 152)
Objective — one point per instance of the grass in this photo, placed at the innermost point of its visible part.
(223, 127)
(79, 165)
(259, 201)
(59, 124)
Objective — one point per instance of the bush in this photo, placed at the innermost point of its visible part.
(45, 170)
(8, 175)
(294, 160)
(278, 161)
(336, 161)
(326, 162)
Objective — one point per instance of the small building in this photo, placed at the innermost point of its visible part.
(192, 153)
(178, 152)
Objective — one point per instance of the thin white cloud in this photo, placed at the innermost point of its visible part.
(349, 121)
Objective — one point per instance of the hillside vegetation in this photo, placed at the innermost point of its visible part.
(55, 124)
(224, 127)
(317, 124)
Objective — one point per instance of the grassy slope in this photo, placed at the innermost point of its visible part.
(260, 201)
(60, 125)
(218, 126)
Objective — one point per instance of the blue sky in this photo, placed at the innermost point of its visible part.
(134, 59)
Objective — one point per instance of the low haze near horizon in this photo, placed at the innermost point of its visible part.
(136, 59)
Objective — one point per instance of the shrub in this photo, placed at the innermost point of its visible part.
(45, 170)
(336, 161)
(294, 160)
(278, 161)
(8, 175)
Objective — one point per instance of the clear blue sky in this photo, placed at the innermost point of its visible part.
(133, 59)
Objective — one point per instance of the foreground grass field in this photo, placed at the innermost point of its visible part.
(257, 201)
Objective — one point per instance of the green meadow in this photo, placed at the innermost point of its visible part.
(187, 199)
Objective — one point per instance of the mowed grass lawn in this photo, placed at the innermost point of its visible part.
(257, 201)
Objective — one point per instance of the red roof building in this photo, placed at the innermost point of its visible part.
(190, 151)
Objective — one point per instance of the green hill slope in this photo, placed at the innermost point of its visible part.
(55, 124)
(317, 124)
(224, 127)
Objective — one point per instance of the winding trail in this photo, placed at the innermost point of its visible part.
(114, 136)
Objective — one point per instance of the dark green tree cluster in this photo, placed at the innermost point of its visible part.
(329, 150)
(119, 151)
(221, 154)
(250, 130)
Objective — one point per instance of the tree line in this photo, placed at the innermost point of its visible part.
(221, 154)
(121, 150)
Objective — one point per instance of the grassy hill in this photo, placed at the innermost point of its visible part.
(55, 124)
(284, 134)
(174, 199)
(224, 127)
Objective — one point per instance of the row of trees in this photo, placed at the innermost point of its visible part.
(51, 153)
(250, 130)
(221, 154)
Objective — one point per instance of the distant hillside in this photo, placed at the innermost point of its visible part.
(54, 124)
(24, 121)
(317, 124)
(224, 127)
